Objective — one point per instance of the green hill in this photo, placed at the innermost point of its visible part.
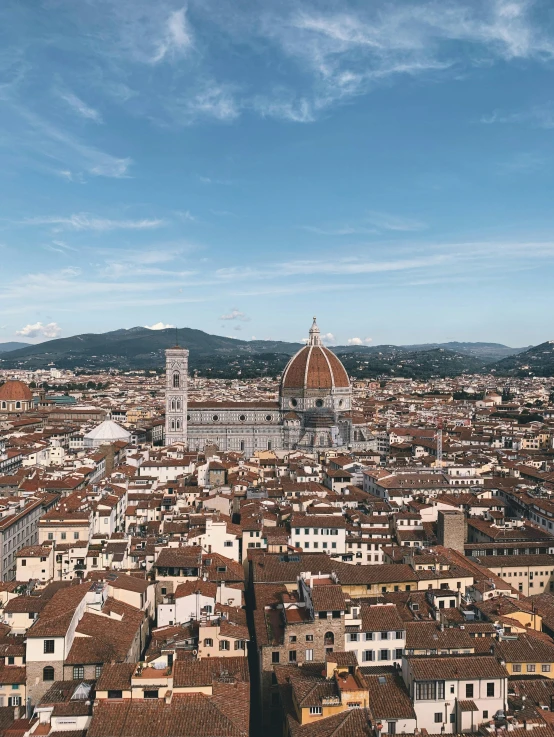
(536, 361)
(218, 356)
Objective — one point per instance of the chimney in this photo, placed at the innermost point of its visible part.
(16, 713)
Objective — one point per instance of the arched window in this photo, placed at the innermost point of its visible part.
(3, 405)
(18, 405)
(173, 424)
(269, 444)
(172, 404)
(48, 673)
(242, 444)
(178, 424)
(329, 638)
(176, 381)
(178, 404)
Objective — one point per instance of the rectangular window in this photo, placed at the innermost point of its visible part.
(469, 690)
(490, 689)
(531, 668)
(275, 657)
(486, 714)
(292, 656)
(75, 535)
(384, 635)
(545, 668)
(78, 672)
(353, 637)
(429, 690)
(97, 671)
(64, 535)
(391, 727)
(438, 717)
(316, 710)
(368, 656)
(384, 654)
(309, 655)
(48, 646)
(399, 635)
(516, 668)
(151, 694)
(309, 638)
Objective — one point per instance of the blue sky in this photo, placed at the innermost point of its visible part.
(238, 167)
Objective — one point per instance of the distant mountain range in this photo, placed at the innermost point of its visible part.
(219, 356)
(6, 347)
(484, 351)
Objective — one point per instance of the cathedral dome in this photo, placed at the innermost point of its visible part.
(315, 367)
(15, 391)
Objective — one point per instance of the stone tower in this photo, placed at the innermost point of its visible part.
(176, 385)
(451, 528)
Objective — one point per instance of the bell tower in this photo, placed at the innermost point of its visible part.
(176, 394)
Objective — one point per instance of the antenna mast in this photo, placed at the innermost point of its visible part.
(438, 464)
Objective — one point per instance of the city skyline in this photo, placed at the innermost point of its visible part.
(240, 169)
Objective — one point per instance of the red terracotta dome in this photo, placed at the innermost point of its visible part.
(315, 367)
(15, 391)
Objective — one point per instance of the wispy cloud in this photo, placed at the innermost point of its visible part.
(340, 230)
(540, 116)
(213, 101)
(386, 221)
(308, 57)
(371, 224)
(351, 51)
(80, 107)
(176, 39)
(50, 142)
(351, 265)
(84, 221)
(235, 315)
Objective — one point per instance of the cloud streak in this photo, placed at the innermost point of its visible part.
(84, 221)
(80, 107)
(235, 315)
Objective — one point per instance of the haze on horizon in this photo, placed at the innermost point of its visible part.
(237, 170)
